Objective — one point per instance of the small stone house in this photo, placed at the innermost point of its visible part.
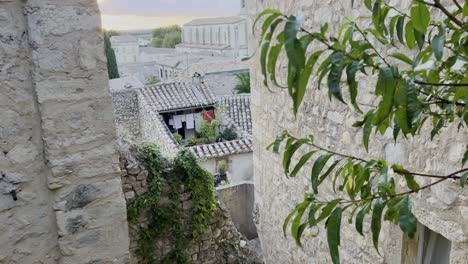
(176, 108)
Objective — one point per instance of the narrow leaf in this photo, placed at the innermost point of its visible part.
(437, 43)
(334, 78)
(376, 222)
(301, 163)
(317, 168)
(399, 28)
(409, 35)
(402, 57)
(360, 218)
(386, 88)
(288, 154)
(420, 16)
(463, 179)
(333, 234)
(407, 220)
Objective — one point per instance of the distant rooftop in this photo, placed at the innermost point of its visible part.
(124, 83)
(152, 50)
(177, 96)
(123, 39)
(214, 21)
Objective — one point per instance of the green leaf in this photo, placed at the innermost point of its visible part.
(296, 227)
(368, 4)
(409, 35)
(288, 218)
(419, 38)
(402, 57)
(420, 16)
(463, 179)
(393, 22)
(324, 29)
(329, 170)
(360, 218)
(386, 88)
(317, 168)
(334, 78)
(465, 156)
(264, 13)
(376, 222)
(401, 104)
(296, 57)
(273, 58)
(313, 210)
(264, 51)
(437, 43)
(351, 71)
(333, 234)
(439, 124)
(392, 212)
(276, 144)
(301, 162)
(465, 9)
(367, 129)
(326, 211)
(305, 75)
(407, 221)
(288, 154)
(399, 28)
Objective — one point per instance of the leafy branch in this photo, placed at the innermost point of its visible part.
(431, 85)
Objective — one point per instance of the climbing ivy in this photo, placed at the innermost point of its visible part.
(167, 217)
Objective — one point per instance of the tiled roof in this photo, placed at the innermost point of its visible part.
(214, 21)
(175, 96)
(237, 108)
(221, 149)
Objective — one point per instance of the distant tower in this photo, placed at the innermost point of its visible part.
(243, 8)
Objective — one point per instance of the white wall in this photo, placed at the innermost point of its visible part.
(239, 167)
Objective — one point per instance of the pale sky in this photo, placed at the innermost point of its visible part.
(149, 14)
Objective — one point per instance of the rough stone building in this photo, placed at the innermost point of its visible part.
(60, 192)
(442, 211)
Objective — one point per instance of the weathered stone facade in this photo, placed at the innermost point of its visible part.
(222, 243)
(60, 193)
(442, 208)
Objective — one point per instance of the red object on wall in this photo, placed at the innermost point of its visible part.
(208, 116)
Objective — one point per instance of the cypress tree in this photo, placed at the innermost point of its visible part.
(111, 61)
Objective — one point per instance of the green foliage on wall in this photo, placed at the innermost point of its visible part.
(112, 69)
(166, 218)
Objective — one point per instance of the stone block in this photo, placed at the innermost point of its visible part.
(142, 175)
(129, 195)
(187, 205)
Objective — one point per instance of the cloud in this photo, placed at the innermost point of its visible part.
(132, 22)
(170, 7)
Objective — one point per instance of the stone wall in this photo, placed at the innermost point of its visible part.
(222, 243)
(127, 117)
(443, 208)
(239, 200)
(60, 193)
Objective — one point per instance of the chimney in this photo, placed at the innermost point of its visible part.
(196, 79)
